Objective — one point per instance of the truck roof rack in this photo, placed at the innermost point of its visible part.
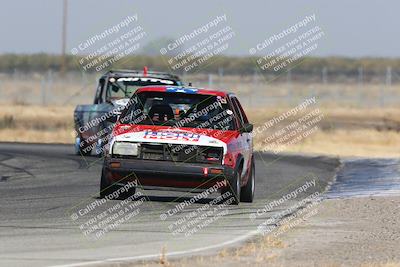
(158, 74)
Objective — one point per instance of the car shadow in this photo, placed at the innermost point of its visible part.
(173, 199)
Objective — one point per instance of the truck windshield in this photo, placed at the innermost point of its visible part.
(118, 88)
(179, 110)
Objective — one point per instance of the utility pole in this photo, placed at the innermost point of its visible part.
(324, 75)
(220, 76)
(64, 38)
(289, 85)
(388, 85)
(360, 85)
(389, 76)
(254, 88)
(360, 76)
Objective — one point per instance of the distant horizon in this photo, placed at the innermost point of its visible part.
(224, 55)
(353, 29)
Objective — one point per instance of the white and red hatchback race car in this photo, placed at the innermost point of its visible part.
(183, 138)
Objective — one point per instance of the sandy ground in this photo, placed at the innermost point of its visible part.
(350, 232)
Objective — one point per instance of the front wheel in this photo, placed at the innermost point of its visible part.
(80, 148)
(99, 148)
(247, 192)
(111, 190)
(106, 188)
(233, 188)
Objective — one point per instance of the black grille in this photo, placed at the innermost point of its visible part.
(152, 151)
(180, 153)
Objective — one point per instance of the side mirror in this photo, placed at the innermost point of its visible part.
(247, 128)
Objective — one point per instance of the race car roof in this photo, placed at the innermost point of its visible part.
(182, 89)
(137, 73)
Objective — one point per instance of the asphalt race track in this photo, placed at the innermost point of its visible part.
(42, 188)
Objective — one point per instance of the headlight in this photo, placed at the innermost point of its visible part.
(125, 148)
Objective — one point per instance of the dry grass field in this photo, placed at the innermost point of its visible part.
(343, 132)
(254, 91)
(358, 120)
(25, 123)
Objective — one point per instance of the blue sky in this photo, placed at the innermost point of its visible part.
(352, 28)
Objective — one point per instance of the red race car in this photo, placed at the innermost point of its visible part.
(181, 138)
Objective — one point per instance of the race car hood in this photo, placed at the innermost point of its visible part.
(165, 134)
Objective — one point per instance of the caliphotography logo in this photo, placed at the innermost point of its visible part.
(212, 133)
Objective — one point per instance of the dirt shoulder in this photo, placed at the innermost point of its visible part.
(350, 232)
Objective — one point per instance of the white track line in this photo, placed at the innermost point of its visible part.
(154, 256)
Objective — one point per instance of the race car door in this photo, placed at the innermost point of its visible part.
(245, 142)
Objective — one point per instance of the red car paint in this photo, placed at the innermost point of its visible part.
(239, 145)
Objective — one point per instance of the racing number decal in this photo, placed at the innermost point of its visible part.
(169, 135)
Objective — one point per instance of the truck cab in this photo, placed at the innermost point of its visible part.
(93, 123)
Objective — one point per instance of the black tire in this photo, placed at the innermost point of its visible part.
(106, 188)
(234, 188)
(247, 191)
(99, 150)
(82, 149)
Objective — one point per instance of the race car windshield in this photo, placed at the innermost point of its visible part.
(179, 110)
(118, 88)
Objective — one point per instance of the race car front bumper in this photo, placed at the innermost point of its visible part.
(148, 173)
